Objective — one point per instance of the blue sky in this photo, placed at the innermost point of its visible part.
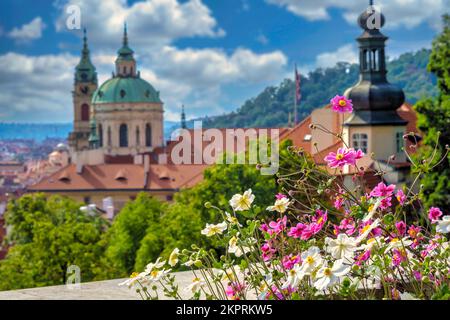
(210, 55)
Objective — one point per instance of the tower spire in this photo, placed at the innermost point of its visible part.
(85, 70)
(375, 100)
(125, 35)
(183, 118)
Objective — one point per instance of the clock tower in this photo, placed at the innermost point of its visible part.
(85, 85)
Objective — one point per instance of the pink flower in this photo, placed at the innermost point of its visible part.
(290, 261)
(434, 214)
(413, 231)
(234, 290)
(279, 225)
(359, 154)
(401, 227)
(319, 221)
(338, 202)
(343, 157)
(401, 198)
(347, 225)
(398, 257)
(341, 104)
(296, 232)
(362, 257)
(268, 252)
(280, 196)
(386, 203)
(381, 190)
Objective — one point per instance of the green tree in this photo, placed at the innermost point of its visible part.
(434, 122)
(47, 235)
(135, 220)
(182, 221)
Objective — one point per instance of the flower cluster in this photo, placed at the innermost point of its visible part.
(342, 243)
(310, 256)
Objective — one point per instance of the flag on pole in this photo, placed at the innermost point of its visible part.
(298, 94)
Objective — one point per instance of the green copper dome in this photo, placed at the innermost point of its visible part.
(124, 90)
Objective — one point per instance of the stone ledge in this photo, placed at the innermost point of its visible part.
(98, 290)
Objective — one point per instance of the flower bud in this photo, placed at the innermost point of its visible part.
(208, 205)
(198, 264)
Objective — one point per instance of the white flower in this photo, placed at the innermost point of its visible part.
(311, 259)
(399, 243)
(373, 210)
(242, 202)
(239, 250)
(173, 259)
(342, 247)
(371, 243)
(213, 229)
(443, 225)
(281, 205)
(326, 276)
(367, 229)
(157, 265)
(231, 219)
(227, 275)
(190, 262)
(196, 285)
(295, 275)
(135, 277)
(407, 296)
(156, 275)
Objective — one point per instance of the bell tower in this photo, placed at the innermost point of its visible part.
(85, 83)
(374, 126)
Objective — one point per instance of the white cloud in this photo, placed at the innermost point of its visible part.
(150, 23)
(36, 87)
(405, 13)
(28, 32)
(346, 53)
(197, 78)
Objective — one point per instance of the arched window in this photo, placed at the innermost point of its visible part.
(100, 135)
(123, 135)
(374, 59)
(84, 112)
(366, 60)
(360, 141)
(148, 135)
(138, 136)
(109, 137)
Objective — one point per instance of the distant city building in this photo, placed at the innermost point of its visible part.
(117, 149)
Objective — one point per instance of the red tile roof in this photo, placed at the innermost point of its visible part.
(120, 177)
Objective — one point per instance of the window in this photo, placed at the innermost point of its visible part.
(109, 137)
(360, 141)
(124, 70)
(148, 135)
(100, 135)
(374, 59)
(138, 136)
(366, 59)
(87, 200)
(85, 112)
(123, 135)
(399, 143)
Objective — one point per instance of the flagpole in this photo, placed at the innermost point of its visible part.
(295, 97)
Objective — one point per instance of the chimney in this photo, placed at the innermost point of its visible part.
(146, 170)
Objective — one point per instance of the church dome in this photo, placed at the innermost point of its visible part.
(126, 90)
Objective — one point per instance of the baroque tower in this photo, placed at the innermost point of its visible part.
(85, 84)
(375, 126)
